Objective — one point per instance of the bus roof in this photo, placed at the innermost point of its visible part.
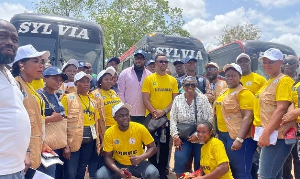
(54, 18)
(257, 44)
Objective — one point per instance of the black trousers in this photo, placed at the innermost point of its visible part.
(162, 162)
(138, 119)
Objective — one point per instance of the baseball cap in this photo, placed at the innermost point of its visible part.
(52, 71)
(70, 62)
(149, 62)
(116, 59)
(233, 65)
(190, 58)
(178, 61)
(80, 75)
(81, 64)
(117, 107)
(243, 55)
(28, 51)
(212, 64)
(109, 70)
(272, 54)
(140, 52)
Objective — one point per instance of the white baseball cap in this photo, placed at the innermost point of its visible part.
(273, 54)
(212, 64)
(243, 55)
(28, 51)
(119, 106)
(70, 62)
(80, 75)
(233, 65)
(109, 70)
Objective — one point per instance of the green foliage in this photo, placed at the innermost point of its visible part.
(124, 22)
(239, 32)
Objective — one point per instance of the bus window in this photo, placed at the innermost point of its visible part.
(88, 52)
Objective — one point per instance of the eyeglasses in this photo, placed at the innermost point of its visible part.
(187, 85)
(289, 62)
(211, 69)
(163, 61)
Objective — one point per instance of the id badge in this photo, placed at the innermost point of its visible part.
(93, 130)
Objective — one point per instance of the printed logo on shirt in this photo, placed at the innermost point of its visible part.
(248, 83)
(72, 97)
(24, 94)
(205, 167)
(98, 95)
(275, 81)
(116, 141)
(132, 141)
(154, 83)
(104, 97)
(112, 102)
(133, 152)
(162, 89)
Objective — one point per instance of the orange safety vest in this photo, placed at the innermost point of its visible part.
(35, 116)
(75, 123)
(232, 113)
(220, 86)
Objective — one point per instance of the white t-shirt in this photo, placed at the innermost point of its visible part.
(14, 126)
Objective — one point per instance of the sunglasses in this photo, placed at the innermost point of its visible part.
(187, 85)
(289, 62)
(163, 61)
(211, 69)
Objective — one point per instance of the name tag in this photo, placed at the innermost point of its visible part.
(93, 130)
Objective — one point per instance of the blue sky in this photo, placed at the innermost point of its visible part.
(278, 20)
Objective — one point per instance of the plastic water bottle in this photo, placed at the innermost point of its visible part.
(163, 136)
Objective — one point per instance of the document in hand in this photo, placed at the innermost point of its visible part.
(35, 174)
(49, 159)
(259, 131)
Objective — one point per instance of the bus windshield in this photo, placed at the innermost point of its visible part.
(88, 52)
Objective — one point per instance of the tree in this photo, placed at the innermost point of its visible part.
(124, 22)
(240, 32)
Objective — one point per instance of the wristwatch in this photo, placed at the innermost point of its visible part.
(166, 110)
(239, 140)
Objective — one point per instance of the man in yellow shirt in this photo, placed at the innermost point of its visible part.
(123, 148)
(250, 80)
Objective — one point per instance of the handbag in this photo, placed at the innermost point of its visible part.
(185, 130)
(55, 132)
(153, 124)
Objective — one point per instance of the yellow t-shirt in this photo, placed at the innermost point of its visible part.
(245, 99)
(37, 84)
(295, 98)
(253, 82)
(161, 89)
(283, 93)
(128, 143)
(213, 154)
(110, 99)
(84, 101)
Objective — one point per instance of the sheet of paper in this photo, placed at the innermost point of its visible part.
(40, 175)
(259, 131)
(51, 161)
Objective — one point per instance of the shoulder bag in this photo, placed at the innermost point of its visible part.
(185, 130)
(153, 124)
(56, 132)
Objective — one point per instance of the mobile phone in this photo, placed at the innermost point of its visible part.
(126, 172)
(290, 136)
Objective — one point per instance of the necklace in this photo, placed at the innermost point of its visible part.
(87, 108)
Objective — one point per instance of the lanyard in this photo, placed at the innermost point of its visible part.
(87, 108)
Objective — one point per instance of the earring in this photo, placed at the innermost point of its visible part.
(22, 69)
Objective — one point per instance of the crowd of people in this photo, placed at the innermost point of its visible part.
(234, 126)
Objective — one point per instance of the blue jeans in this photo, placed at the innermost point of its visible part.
(144, 170)
(96, 162)
(240, 160)
(76, 166)
(272, 159)
(17, 175)
(49, 170)
(182, 157)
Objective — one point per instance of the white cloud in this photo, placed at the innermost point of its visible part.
(8, 10)
(191, 8)
(277, 3)
(289, 39)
